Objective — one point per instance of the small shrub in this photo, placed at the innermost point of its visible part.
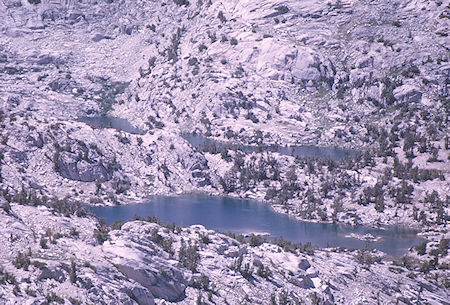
(443, 246)
(263, 272)
(221, 17)
(101, 232)
(205, 238)
(22, 261)
(74, 232)
(43, 243)
(30, 292)
(74, 301)
(117, 225)
(89, 265)
(244, 269)
(16, 290)
(155, 237)
(364, 257)
(40, 265)
(53, 297)
(189, 256)
(7, 207)
(201, 283)
(421, 248)
(181, 2)
(73, 272)
(6, 277)
(256, 240)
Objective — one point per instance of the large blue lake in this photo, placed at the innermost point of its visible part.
(247, 216)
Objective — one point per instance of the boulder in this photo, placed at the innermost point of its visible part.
(329, 297)
(142, 296)
(67, 166)
(97, 37)
(168, 285)
(51, 15)
(61, 84)
(53, 272)
(70, 167)
(36, 141)
(204, 182)
(198, 174)
(306, 283)
(91, 172)
(305, 67)
(257, 262)
(35, 24)
(233, 252)
(85, 282)
(278, 61)
(75, 17)
(408, 94)
(365, 62)
(304, 264)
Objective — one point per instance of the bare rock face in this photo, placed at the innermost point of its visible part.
(62, 84)
(306, 283)
(408, 94)
(162, 278)
(199, 171)
(306, 66)
(36, 140)
(142, 296)
(304, 264)
(279, 61)
(53, 272)
(71, 167)
(164, 283)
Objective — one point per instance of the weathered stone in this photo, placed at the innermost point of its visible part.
(97, 37)
(142, 296)
(408, 94)
(168, 285)
(306, 283)
(304, 264)
(70, 167)
(54, 272)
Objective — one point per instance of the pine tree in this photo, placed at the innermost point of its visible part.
(73, 272)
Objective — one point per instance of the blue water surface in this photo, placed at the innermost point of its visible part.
(309, 151)
(248, 216)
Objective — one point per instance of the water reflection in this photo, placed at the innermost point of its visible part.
(245, 216)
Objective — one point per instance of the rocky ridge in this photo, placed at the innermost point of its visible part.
(51, 258)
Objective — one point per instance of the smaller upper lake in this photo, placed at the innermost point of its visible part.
(246, 216)
(309, 151)
(111, 122)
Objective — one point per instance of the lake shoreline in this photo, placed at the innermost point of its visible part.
(240, 215)
(274, 207)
